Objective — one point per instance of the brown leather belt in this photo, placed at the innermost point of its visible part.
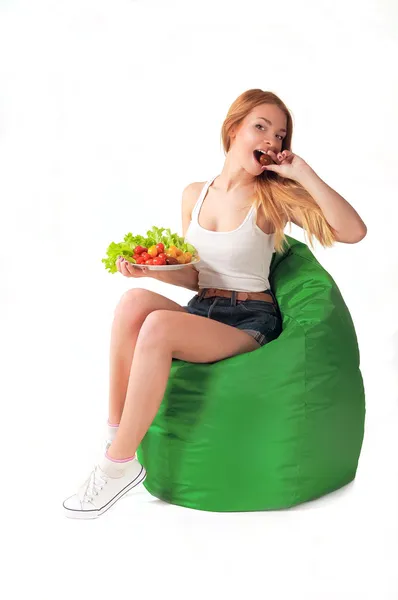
(210, 292)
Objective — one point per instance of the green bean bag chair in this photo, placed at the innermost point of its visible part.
(272, 428)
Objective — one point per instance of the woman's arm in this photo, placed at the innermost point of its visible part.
(338, 212)
(187, 276)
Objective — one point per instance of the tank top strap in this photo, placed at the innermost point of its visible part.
(202, 195)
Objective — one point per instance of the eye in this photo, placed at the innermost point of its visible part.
(279, 136)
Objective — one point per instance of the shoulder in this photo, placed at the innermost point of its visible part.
(191, 189)
(190, 195)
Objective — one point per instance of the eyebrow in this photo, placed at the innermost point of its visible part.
(269, 123)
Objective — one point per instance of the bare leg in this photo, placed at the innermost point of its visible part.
(132, 310)
(163, 336)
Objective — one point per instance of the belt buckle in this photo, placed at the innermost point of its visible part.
(244, 295)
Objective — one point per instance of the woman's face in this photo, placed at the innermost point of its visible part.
(264, 128)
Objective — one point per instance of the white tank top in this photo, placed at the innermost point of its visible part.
(231, 260)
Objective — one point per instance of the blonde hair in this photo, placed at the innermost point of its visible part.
(280, 198)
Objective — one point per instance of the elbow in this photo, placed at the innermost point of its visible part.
(361, 234)
(354, 236)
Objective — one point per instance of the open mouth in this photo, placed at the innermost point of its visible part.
(262, 157)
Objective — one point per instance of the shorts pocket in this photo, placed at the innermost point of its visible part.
(275, 324)
(266, 315)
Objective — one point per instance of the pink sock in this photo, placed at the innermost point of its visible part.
(118, 460)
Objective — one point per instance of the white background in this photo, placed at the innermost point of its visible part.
(108, 110)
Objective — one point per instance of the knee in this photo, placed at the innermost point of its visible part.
(132, 303)
(157, 328)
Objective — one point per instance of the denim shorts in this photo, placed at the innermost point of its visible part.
(262, 320)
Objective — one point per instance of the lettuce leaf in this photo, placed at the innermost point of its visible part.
(154, 236)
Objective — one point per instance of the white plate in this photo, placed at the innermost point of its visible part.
(166, 267)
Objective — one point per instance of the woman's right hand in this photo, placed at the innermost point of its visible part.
(127, 269)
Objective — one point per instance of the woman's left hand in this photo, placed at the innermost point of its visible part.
(287, 165)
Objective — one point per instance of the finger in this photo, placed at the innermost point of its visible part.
(134, 271)
(123, 269)
(288, 156)
(284, 154)
(274, 168)
(141, 272)
(273, 156)
(130, 268)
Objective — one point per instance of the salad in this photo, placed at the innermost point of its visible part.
(157, 248)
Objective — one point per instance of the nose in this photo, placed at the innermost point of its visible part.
(270, 146)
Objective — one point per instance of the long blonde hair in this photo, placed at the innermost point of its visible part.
(279, 197)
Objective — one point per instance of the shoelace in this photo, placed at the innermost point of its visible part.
(95, 483)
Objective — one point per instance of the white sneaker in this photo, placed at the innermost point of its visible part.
(100, 491)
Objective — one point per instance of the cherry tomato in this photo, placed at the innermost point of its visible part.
(188, 257)
(146, 256)
(140, 261)
(159, 261)
(160, 247)
(153, 251)
(162, 255)
(149, 262)
(140, 249)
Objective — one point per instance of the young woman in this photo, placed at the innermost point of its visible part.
(236, 221)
